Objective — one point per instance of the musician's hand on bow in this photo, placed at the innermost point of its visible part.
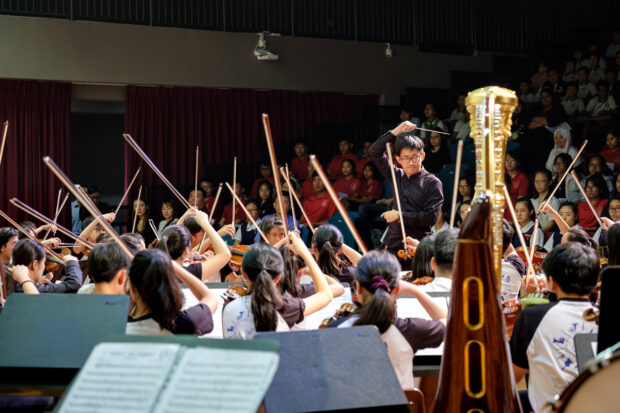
(390, 216)
(227, 230)
(47, 279)
(202, 219)
(404, 127)
(51, 242)
(68, 257)
(607, 223)
(412, 245)
(109, 217)
(545, 208)
(186, 214)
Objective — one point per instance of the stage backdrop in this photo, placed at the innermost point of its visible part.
(38, 115)
(169, 122)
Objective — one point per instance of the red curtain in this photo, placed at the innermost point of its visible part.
(169, 122)
(38, 115)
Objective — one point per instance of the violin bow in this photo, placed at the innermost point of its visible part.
(135, 216)
(210, 216)
(154, 229)
(26, 233)
(196, 175)
(397, 196)
(457, 178)
(290, 195)
(232, 191)
(332, 193)
(120, 204)
(154, 168)
(235, 187)
(533, 246)
(294, 195)
(583, 192)
(274, 171)
(5, 130)
(58, 210)
(583, 146)
(87, 204)
(29, 210)
(530, 266)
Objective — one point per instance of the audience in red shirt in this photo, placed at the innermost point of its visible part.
(319, 206)
(334, 170)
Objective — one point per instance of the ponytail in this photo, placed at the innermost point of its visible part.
(377, 272)
(327, 240)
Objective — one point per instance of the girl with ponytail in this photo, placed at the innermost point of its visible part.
(265, 309)
(377, 285)
(157, 298)
(328, 244)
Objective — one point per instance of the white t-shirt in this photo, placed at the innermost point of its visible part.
(543, 342)
(439, 284)
(238, 320)
(146, 327)
(573, 106)
(544, 219)
(596, 107)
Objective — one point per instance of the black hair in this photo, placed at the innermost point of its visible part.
(566, 158)
(604, 168)
(406, 109)
(545, 172)
(327, 241)
(206, 179)
(177, 239)
(301, 142)
(268, 185)
(598, 181)
(28, 226)
(353, 167)
(528, 205)
(262, 263)
(292, 264)
(584, 68)
(579, 236)
(172, 203)
(570, 205)
(152, 275)
(200, 191)
(133, 241)
(444, 247)
(105, 261)
(421, 263)
(408, 142)
(470, 181)
(613, 243)
(571, 84)
(87, 221)
(574, 267)
(252, 201)
(103, 237)
(93, 189)
(375, 171)
(26, 251)
(6, 233)
(270, 223)
(516, 155)
(378, 273)
(192, 225)
(508, 234)
(314, 174)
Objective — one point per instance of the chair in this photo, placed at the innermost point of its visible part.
(338, 221)
(415, 399)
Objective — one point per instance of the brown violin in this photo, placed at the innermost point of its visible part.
(345, 310)
(235, 291)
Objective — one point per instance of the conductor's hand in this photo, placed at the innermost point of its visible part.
(404, 127)
(390, 216)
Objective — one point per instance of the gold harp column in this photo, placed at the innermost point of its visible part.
(490, 109)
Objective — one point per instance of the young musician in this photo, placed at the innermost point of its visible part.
(328, 243)
(442, 261)
(377, 285)
(8, 239)
(247, 231)
(421, 264)
(290, 221)
(107, 265)
(524, 210)
(157, 299)
(420, 191)
(600, 236)
(542, 341)
(513, 267)
(32, 255)
(91, 231)
(264, 309)
(566, 218)
(542, 183)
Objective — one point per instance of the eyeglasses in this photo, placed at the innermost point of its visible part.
(617, 209)
(408, 159)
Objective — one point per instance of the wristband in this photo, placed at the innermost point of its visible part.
(21, 284)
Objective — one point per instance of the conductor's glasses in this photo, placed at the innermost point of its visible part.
(414, 158)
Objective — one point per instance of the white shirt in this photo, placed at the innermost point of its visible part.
(596, 107)
(586, 91)
(147, 327)
(573, 106)
(439, 284)
(544, 219)
(238, 320)
(511, 282)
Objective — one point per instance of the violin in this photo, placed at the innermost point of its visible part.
(511, 309)
(537, 259)
(345, 310)
(417, 281)
(235, 291)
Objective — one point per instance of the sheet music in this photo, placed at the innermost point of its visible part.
(190, 301)
(314, 320)
(121, 377)
(410, 307)
(219, 380)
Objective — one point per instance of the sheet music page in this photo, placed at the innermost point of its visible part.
(314, 320)
(219, 380)
(190, 301)
(121, 377)
(407, 307)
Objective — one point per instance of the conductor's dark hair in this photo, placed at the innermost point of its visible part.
(192, 225)
(507, 235)
(377, 272)
(262, 263)
(613, 243)
(152, 275)
(327, 241)
(444, 247)
(105, 261)
(574, 267)
(6, 233)
(421, 264)
(408, 142)
(177, 238)
(26, 251)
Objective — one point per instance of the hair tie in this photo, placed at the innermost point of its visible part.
(379, 282)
